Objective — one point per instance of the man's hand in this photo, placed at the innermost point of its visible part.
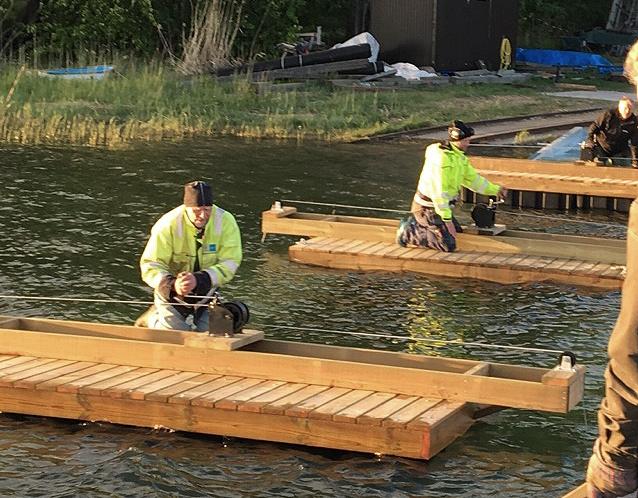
(185, 283)
(502, 194)
(451, 228)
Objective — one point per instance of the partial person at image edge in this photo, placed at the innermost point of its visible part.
(192, 251)
(612, 471)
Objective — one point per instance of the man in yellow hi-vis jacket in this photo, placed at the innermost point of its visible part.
(192, 250)
(446, 169)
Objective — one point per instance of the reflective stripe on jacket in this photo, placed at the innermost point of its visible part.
(171, 248)
(445, 170)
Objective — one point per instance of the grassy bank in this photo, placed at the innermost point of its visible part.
(153, 103)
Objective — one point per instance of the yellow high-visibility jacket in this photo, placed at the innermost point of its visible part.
(445, 170)
(171, 248)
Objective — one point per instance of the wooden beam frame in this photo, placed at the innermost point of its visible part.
(410, 442)
(559, 177)
(289, 221)
(444, 378)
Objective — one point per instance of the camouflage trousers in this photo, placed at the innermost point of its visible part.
(425, 228)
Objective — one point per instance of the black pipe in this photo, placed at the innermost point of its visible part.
(361, 51)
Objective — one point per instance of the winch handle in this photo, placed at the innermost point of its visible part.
(494, 203)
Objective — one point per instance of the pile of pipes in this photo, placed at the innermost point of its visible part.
(351, 59)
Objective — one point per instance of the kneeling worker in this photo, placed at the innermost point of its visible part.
(192, 250)
(446, 169)
(613, 134)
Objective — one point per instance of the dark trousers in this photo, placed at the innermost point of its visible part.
(613, 467)
(425, 228)
(597, 152)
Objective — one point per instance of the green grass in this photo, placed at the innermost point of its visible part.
(154, 103)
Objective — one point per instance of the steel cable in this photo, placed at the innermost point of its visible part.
(454, 342)
(512, 213)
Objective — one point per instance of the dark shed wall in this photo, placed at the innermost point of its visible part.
(404, 29)
(448, 34)
(471, 30)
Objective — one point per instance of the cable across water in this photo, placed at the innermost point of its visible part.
(347, 206)
(512, 213)
(437, 342)
(454, 342)
(97, 300)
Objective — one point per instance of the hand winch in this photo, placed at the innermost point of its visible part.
(226, 319)
(484, 215)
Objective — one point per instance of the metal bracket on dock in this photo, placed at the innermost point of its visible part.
(566, 361)
(495, 230)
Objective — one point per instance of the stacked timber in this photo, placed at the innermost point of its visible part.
(359, 243)
(335, 397)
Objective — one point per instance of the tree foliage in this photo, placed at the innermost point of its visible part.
(69, 26)
(69, 29)
(545, 21)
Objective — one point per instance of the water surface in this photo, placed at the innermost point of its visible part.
(75, 222)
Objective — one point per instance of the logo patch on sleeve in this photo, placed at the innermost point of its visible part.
(211, 247)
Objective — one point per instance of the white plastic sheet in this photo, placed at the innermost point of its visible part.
(409, 71)
(364, 37)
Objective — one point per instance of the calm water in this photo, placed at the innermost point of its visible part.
(75, 221)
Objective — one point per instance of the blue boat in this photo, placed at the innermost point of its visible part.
(84, 72)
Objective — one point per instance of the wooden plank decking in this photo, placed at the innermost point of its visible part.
(558, 185)
(341, 398)
(358, 243)
(289, 221)
(350, 254)
(317, 415)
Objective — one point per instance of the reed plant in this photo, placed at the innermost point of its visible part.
(151, 102)
(212, 35)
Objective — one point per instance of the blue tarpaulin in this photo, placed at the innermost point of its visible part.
(566, 58)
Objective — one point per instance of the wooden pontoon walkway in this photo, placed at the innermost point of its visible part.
(342, 398)
(504, 268)
(356, 243)
(580, 185)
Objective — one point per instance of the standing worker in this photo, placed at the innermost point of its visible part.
(613, 466)
(614, 134)
(192, 250)
(445, 170)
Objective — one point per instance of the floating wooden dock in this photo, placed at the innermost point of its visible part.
(348, 254)
(559, 185)
(356, 243)
(326, 396)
